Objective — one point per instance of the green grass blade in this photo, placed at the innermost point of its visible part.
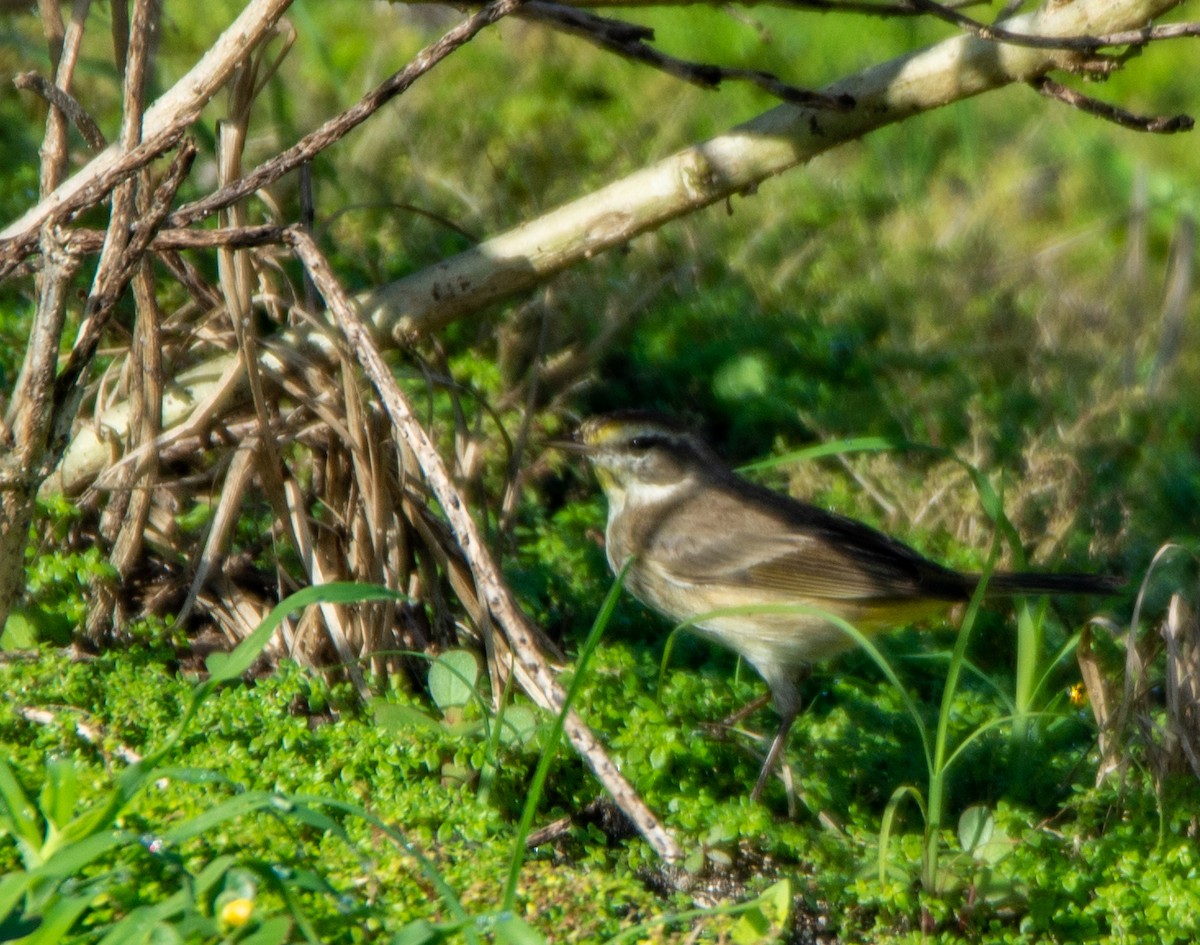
(543, 767)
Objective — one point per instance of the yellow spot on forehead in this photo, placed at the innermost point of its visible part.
(599, 431)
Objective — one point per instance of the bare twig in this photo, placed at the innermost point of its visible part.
(15, 249)
(174, 239)
(111, 281)
(165, 119)
(1118, 116)
(337, 127)
(64, 52)
(66, 103)
(632, 42)
(532, 669)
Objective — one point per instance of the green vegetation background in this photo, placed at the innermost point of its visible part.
(960, 280)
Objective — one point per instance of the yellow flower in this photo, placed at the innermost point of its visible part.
(1078, 695)
(237, 912)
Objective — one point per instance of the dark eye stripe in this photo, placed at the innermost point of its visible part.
(647, 441)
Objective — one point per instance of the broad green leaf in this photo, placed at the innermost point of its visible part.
(776, 902)
(12, 890)
(452, 678)
(751, 928)
(19, 633)
(402, 718)
(58, 919)
(70, 859)
(518, 726)
(975, 828)
(420, 932)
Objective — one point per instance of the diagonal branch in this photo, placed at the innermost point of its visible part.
(633, 42)
(532, 669)
(339, 126)
(1162, 125)
(176, 109)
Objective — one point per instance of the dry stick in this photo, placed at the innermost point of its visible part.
(632, 42)
(536, 676)
(14, 250)
(64, 52)
(175, 238)
(66, 103)
(1118, 116)
(109, 286)
(170, 114)
(337, 127)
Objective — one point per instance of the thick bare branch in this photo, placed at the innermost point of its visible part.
(738, 161)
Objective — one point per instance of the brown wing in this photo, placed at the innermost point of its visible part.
(784, 547)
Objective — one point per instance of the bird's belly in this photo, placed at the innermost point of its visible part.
(773, 630)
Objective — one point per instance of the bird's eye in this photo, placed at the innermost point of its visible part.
(641, 443)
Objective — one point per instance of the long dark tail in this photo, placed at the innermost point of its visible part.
(1033, 583)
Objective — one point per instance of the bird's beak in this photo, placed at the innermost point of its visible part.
(569, 446)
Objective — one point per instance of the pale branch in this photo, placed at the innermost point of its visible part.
(533, 671)
(65, 102)
(1154, 124)
(736, 162)
(340, 125)
(64, 55)
(168, 116)
(633, 42)
(1084, 43)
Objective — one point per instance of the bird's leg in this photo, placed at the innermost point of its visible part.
(777, 746)
(786, 690)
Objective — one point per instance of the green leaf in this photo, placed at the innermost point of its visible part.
(219, 813)
(74, 857)
(452, 678)
(60, 792)
(271, 931)
(975, 828)
(402, 718)
(518, 725)
(58, 919)
(12, 889)
(776, 902)
(18, 815)
(420, 932)
(512, 930)
(223, 667)
(19, 633)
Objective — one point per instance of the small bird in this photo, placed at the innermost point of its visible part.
(698, 538)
